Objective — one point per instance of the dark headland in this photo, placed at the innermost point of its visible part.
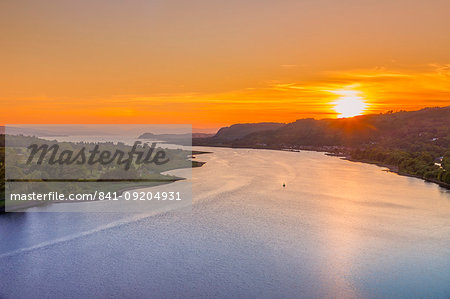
(413, 143)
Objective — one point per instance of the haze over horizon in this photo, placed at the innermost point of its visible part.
(213, 64)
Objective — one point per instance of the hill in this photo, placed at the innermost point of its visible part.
(238, 131)
(414, 143)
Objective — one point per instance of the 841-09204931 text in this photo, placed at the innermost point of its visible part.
(98, 195)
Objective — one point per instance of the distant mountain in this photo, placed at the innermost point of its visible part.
(202, 135)
(235, 132)
(430, 125)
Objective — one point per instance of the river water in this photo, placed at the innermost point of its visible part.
(337, 229)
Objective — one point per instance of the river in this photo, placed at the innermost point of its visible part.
(337, 229)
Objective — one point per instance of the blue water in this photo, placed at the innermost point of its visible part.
(338, 229)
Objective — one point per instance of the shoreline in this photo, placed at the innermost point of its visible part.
(394, 169)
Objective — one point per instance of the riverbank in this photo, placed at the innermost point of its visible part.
(395, 169)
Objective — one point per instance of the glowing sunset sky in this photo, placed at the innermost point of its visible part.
(214, 63)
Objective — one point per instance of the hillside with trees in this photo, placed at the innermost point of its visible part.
(414, 143)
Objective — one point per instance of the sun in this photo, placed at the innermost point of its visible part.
(349, 104)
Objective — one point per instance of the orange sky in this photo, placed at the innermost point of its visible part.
(214, 63)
